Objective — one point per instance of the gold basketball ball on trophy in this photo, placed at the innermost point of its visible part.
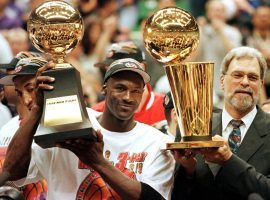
(55, 27)
(171, 35)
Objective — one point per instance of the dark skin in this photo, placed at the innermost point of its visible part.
(90, 153)
(122, 98)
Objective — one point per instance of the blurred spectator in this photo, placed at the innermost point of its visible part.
(86, 7)
(154, 68)
(31, 5)
(5, 114)
(18, 40)
(217, 38)
(90, 80)
(97, 38)
(106, 8)
(260, 38)
(166, 3)
(266, 106)
(9, 17)
(128, 15)
(6, 53)
(169, 125)
(162, 85)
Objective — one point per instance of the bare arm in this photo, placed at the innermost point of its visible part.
(125, 186)
(91, 154)
(18, 154)
(19, 150)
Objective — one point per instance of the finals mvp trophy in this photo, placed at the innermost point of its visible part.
(55, 27)
(171, 35)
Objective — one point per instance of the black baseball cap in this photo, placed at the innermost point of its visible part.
(122, 50)
(168, 101)
(23, 54)
(126, 64)
(26, 66)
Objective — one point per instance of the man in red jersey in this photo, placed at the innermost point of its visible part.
(150, 110)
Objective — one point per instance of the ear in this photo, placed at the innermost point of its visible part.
(173, 115)
(104, 90)
(262, 83)
(222, 77)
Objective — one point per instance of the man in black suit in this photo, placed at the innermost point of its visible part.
(242, 166)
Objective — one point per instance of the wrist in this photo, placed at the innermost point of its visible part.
(101, 164)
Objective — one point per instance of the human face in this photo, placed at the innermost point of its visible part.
(241, 85)
(216, 11)
(261, 18)
(25, 89)
(123, 93)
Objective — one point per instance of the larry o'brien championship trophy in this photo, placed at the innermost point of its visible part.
(171, 35)
(55, 27)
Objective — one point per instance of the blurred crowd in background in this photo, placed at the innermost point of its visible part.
(224, 24)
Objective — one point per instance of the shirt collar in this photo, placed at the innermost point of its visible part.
(247, 119)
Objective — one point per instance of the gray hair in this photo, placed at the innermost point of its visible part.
(240, 52)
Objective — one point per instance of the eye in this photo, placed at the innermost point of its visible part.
(237, 75)
(137, 91)
(30, 89)
(19, 94)
(120, 88)
(253, 78)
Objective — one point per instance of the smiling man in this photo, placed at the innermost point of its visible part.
(241, 167)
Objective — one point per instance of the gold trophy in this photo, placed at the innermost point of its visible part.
(171, 35)
(55, 27)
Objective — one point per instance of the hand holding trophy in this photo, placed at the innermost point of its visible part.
(55, 27)
(171, 35)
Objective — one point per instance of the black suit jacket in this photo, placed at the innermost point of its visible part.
(244, 173)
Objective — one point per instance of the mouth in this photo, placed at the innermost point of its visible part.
(30, 107)
(243, 92)
(126, 106)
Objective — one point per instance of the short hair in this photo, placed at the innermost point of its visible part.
(167, 113)
(241, 52)
(209, 3)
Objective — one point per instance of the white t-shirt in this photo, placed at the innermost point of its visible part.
(6, 53)
(8, 131)
(5, 114)
(136, 153)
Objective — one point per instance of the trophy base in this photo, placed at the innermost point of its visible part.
(48, 137)
(194, 145)
(64, 114)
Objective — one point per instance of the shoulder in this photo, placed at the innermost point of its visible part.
(10, 126)
(152, 134)
(93, 113)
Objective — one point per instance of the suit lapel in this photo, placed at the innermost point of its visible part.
(204, 171)
(217, 124)
(254, 136)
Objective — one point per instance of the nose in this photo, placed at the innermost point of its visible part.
(245, 80)
(27, 99)
(127, 96)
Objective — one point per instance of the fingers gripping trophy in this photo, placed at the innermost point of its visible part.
(171, 35)
(55, 27)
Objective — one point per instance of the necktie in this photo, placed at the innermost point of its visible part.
(235, 136)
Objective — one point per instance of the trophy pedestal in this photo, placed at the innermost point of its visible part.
(195, 142)
(64, 112)
(194, 145)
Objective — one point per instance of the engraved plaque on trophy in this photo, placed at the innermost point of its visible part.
(55, 27)
(171, 35)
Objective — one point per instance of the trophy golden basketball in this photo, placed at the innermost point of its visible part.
(55, 27)
(171, 35)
